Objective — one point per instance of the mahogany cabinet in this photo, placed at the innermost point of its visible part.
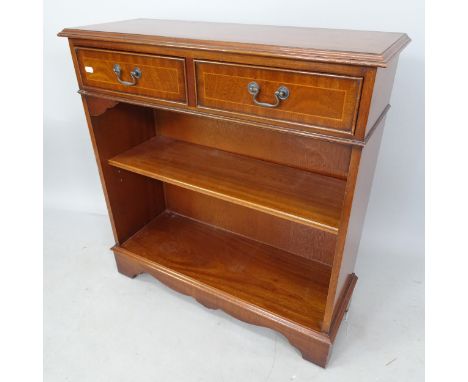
(237, 160)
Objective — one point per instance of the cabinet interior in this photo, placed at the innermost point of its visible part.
(225, 203)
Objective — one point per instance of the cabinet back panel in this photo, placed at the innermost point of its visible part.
(289, 236)
(327, 158)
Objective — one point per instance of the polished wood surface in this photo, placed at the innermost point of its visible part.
(342, 306)
(355, 213)
(161, 77)
(382, 91)
(331, 45)
(358, 187)
(289, 236)
(313, 345)
(292, 194)
(357, 137)
(132, 200)
(257, 211)
(324, 100)
(288, 286)
(326, 158)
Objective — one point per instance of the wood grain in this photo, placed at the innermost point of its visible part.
(381, 93)
(331, 45)
(358, 211)
(288, 286)
(313, 345)
(327, 158)
(322, 100)
(319, 132)
(289, 236)
(161, 77)
(300, 196)
(132, 199)
(361, 174)
(251, 210)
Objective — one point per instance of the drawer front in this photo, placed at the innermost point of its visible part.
(323, 100)
(159, 77)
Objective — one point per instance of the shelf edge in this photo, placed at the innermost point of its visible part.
(258, 207)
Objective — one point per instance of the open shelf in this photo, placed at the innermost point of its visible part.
(290, 193)
(282, 284)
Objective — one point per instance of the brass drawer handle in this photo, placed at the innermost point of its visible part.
(135, 74)
(280, 94)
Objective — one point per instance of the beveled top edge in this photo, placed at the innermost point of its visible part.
(317, 44)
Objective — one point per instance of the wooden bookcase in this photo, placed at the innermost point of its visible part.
(237, 160)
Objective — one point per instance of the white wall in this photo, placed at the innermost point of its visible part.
(396, 208)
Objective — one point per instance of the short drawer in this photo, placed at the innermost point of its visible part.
(322, 100)
(144, 75)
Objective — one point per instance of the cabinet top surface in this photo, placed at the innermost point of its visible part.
(334, 45)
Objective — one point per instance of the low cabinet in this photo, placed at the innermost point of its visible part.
(237, 160)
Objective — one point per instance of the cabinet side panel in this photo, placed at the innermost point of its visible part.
(382, 91)
(132, 200)
(359, 185)
(358, 210)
